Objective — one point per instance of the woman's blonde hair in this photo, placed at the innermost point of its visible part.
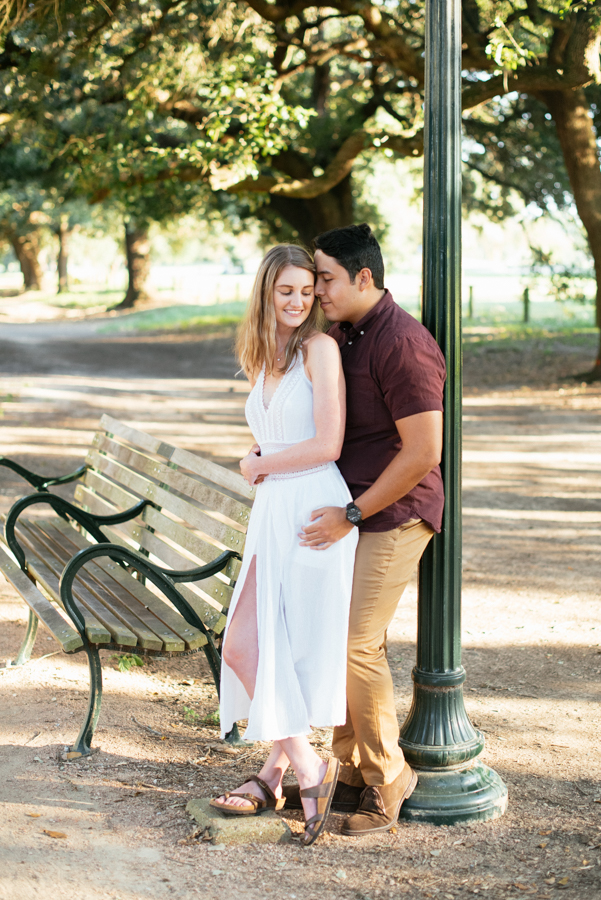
(256, 342)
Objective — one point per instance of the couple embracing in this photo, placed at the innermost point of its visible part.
(348, 427)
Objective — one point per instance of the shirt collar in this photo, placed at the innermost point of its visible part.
(368, 319)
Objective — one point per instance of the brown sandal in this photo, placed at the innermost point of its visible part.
(324, 793)
(258, 805)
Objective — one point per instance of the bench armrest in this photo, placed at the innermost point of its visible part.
(218, 564)
(40, 482)
(87, 520)
(161, 578)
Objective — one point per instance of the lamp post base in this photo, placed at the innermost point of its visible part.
(451, 796)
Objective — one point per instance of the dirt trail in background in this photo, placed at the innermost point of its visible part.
(532, 638)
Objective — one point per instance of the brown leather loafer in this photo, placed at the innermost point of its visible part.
(346, 798)
(380, 806)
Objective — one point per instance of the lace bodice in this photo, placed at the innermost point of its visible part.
(289, 417)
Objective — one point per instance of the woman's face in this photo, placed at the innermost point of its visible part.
(293, 296)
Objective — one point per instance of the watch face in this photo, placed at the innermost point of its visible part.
(353, 514)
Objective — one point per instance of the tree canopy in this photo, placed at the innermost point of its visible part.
(158, 104)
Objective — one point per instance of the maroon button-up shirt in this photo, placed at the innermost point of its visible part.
(393, 368)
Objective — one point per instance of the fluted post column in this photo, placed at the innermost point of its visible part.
(438, 738)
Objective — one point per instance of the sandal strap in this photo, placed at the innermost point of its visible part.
(313, 819)
(263, 785)
(318, 790)
(257, 802)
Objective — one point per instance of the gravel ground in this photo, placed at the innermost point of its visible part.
(532, 650)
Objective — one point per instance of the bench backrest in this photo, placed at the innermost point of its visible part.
(199, 508)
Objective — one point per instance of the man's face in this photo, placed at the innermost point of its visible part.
(337, 295)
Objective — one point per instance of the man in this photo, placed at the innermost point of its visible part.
(395, 374)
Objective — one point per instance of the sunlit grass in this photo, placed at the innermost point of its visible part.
(182, 318)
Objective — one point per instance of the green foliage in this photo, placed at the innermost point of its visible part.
(143, 104)
(190, 715)
(127, 661)
(568, 284)
(211, 718)
(511, 145)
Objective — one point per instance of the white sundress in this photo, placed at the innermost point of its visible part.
(303, 595)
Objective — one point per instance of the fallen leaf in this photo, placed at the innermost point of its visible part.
(585, 862)
(434, 852)
(521, 887)
(392, 831)
(545, 832)
(543, 845)
(54, 834)
(550, 880)
(563, 881)
(33, 815)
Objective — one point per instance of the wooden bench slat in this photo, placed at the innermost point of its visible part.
(115, 601)
(218, 590)
(175, 632)
(96, 632)
(184, 458)
(152, 518)
(229, 537)
(209, 615)
(119, 633)
(186, 538)
(147, 538)
(48, 614)
(175, 478)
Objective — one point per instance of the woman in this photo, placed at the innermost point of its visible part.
(284, 651)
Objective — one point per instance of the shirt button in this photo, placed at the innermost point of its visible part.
(361, 332)
(349, 343)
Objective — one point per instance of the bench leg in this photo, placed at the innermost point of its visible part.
(81, 747)
(233, 738)
(24, 654)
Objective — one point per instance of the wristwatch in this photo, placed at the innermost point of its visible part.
(354, 514)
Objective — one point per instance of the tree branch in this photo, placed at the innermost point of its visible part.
(336, 171)
(273, 12)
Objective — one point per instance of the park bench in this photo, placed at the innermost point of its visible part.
(145, 561)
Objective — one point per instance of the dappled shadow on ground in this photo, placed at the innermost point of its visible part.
(532, 639)
(123, 358)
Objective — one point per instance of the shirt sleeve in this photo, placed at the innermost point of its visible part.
(412, 376)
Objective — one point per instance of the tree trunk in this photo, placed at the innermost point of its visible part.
(570, 111)
(63, 233)
(137, 252)
(311, 217)
(26, 247)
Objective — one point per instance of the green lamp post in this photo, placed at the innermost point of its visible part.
(437, 737)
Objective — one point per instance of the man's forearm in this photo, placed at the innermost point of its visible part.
(398, 478)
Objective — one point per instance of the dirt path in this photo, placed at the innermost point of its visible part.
(532, 638)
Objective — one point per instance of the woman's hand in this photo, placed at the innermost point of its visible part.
(250, 467)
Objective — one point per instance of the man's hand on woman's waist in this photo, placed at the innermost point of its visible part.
(421, 437)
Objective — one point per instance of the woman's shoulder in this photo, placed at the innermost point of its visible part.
(320, 343)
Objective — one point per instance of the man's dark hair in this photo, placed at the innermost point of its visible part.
(354, 247)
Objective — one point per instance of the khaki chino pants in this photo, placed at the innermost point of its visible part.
(367, 745)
